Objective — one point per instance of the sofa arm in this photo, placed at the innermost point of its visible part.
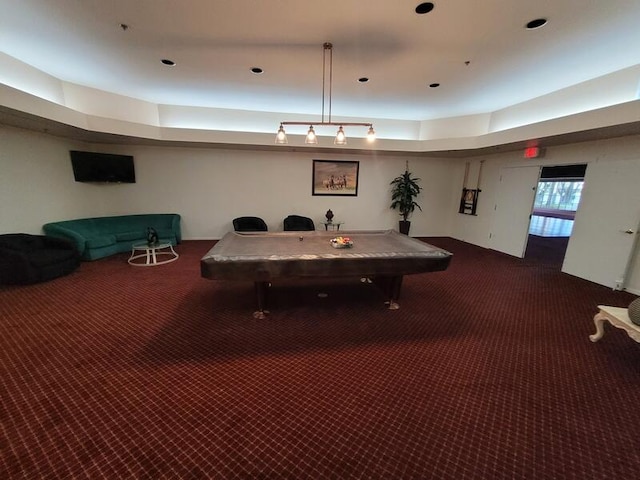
(175, 226)
(57, 231)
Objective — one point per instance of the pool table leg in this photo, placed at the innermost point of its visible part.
(261, 296)
(390, 287)
(395, 283)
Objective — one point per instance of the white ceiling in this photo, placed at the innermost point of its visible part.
(215, 43)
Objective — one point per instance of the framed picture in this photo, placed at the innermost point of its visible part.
(331, 177)
(469, 201)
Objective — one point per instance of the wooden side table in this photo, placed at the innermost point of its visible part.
(618, 317)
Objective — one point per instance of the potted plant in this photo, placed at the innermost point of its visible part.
(404, 190)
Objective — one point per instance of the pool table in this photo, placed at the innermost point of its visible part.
(383, 257)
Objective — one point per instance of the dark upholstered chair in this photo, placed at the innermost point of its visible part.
(26, 259)
(298, 223)
(249, 224)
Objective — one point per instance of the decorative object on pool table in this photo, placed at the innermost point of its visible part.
(469, 198)
(329, 216)
(404, 190)
(341, 242)
(152, 236)
(336, 178)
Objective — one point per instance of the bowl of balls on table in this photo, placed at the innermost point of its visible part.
(341, 242)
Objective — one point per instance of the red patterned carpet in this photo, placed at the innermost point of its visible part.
(485, 372)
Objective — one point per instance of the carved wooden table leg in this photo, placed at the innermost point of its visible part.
(598, 320)
(619, 318)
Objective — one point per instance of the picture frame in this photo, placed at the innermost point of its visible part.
(469, 201)
(335, 178)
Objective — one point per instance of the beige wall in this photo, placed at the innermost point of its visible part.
(210, 186)
(476, 230)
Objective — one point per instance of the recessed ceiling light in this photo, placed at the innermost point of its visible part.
(423, 8)
(363, 79)
(537, 23)
(168, 62)
(256, 70)
(434, 85)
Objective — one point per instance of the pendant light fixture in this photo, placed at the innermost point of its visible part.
(327, 80)
(281, 136)
(311, 136)
(341, 138)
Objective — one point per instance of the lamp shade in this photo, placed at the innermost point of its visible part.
(371, 134)
(311, 136)
(341, 138)
(281, 136)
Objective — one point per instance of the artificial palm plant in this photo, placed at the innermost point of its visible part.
(404, 190)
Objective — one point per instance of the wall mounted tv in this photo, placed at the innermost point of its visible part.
(102, 167)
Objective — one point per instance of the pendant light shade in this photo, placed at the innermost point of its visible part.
(371, 134)
(341, 138)
(311, 136)
(281, 136)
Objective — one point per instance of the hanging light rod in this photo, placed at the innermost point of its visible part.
(320, 124)
(311, 138)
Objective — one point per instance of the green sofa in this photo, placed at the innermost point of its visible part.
(103, 236)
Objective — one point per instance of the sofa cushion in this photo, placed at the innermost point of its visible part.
(129, 236)
(165, 234)
(101, 241)
(129, 223)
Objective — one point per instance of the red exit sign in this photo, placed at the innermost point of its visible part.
(533, 152)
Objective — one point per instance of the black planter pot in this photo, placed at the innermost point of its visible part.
(403, 226)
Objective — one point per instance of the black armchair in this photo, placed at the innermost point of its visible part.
(249, 224)
(298, 223)
(26, 259)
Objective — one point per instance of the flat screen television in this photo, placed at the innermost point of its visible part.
(102, 167)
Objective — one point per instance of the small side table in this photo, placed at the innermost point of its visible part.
(150, 254)
(618, 317)
(332, 225)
